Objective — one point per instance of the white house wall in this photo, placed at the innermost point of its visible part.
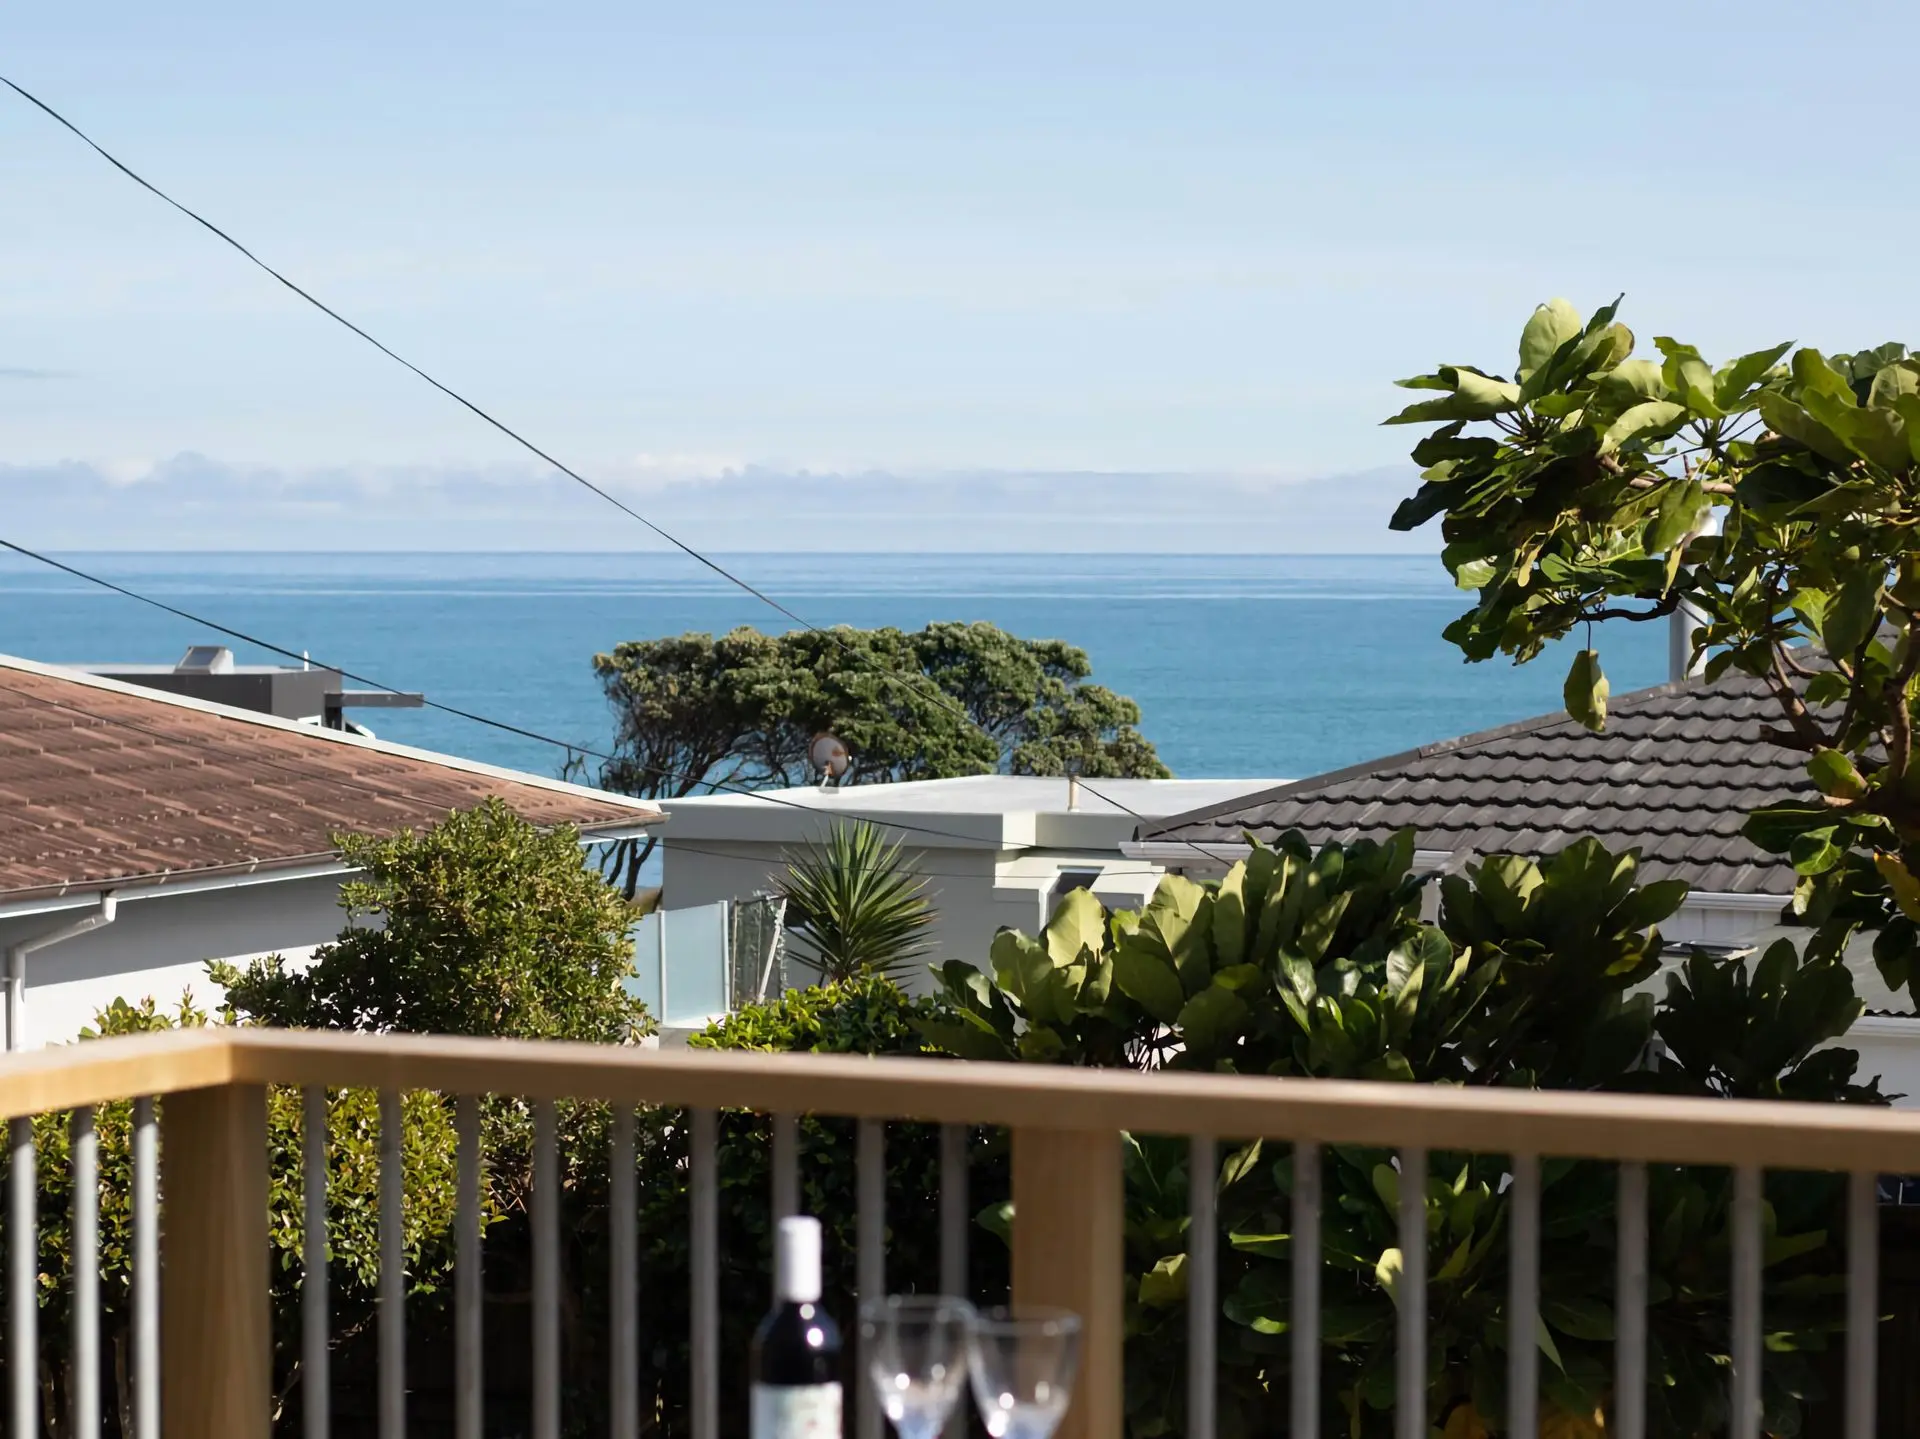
(969, 904)
(159, 946)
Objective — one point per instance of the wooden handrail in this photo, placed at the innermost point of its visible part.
(1610, 1126)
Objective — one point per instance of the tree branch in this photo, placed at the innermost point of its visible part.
(1647, 482)
(1665, 607)
(1805, 728)
(1894, 695)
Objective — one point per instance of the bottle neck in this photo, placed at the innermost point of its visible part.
(796, 1262)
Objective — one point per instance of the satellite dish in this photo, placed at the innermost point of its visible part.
(830, 757)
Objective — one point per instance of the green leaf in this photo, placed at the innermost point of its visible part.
(1419, 507)
(1473, 574)
(1318, 926)
(1834, 774)
(1550, 327)
(1893, 382)
(1784, 417)
(1853, 615)
(1579, 1316)
(997, 1220)
(1732, 381)
(1586, 690)
(1230, 916)
(1078, 926)
(1696, 387)
(1475, 397)
(1648, 904)
(1644, 423)
(1488, 397)
(1879, 435)
(1782, 1247)
(1906, 889)
(1815, 851)
(1547, 1346)
(1816, 377)
(1165, 1285)
(966, 1038)
(1042, 1044)
(1775, 827)
(1679, 516)
(1018, 963)
(1212, 1019)
(1267, 1246)
(1240, 1163)
(1149, 981)
(1908, 408)
(1631, 381)
(1386, 1273)
(1615, 344)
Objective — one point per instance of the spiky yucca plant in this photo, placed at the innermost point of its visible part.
(862, 911)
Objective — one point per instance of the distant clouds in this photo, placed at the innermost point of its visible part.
(25, 372)
(193, 502)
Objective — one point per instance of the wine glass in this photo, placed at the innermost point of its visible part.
(1022, 1364)
(914, 1348)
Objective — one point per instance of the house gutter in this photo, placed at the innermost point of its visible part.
(1182, 854)
(16, 977)
(1186, 854)
(167, 884)
(54, 900)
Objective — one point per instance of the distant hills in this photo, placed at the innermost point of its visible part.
(195, 503)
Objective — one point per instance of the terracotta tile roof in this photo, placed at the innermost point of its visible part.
(102, 783)
(1673, 774)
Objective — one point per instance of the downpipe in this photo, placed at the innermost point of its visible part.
(16, 975)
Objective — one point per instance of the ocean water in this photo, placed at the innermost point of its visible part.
(1281, 665)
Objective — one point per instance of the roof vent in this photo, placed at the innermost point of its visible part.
(205, 660)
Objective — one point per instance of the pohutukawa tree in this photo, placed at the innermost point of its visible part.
(1579, 490)
(696, 711)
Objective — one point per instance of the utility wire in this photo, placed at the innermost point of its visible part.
(1107, 871)
(569, 746)
(715, 566)
(401, 360)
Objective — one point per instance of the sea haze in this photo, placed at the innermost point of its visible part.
(1244, 665)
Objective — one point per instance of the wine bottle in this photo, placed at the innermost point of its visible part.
(796, 1350)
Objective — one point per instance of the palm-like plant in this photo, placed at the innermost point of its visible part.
(860, 908)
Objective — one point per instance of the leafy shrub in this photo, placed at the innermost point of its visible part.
(1535, 975)
(487, 924)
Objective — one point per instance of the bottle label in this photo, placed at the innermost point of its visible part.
(796, 1411)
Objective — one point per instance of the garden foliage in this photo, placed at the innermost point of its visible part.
(1547, 975)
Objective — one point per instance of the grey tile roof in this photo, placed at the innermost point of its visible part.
(1673, 774)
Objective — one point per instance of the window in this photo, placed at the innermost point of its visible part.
(1070, 880)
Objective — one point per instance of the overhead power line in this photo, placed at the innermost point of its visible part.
(932, 691)
(519, 439)
(569, 746)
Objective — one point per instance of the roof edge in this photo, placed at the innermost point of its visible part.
(332, 736)
(152, 883)
(1313, 783)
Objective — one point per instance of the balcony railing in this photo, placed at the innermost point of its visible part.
(201, 1349)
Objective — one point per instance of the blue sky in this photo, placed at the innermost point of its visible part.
(1141, 251)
